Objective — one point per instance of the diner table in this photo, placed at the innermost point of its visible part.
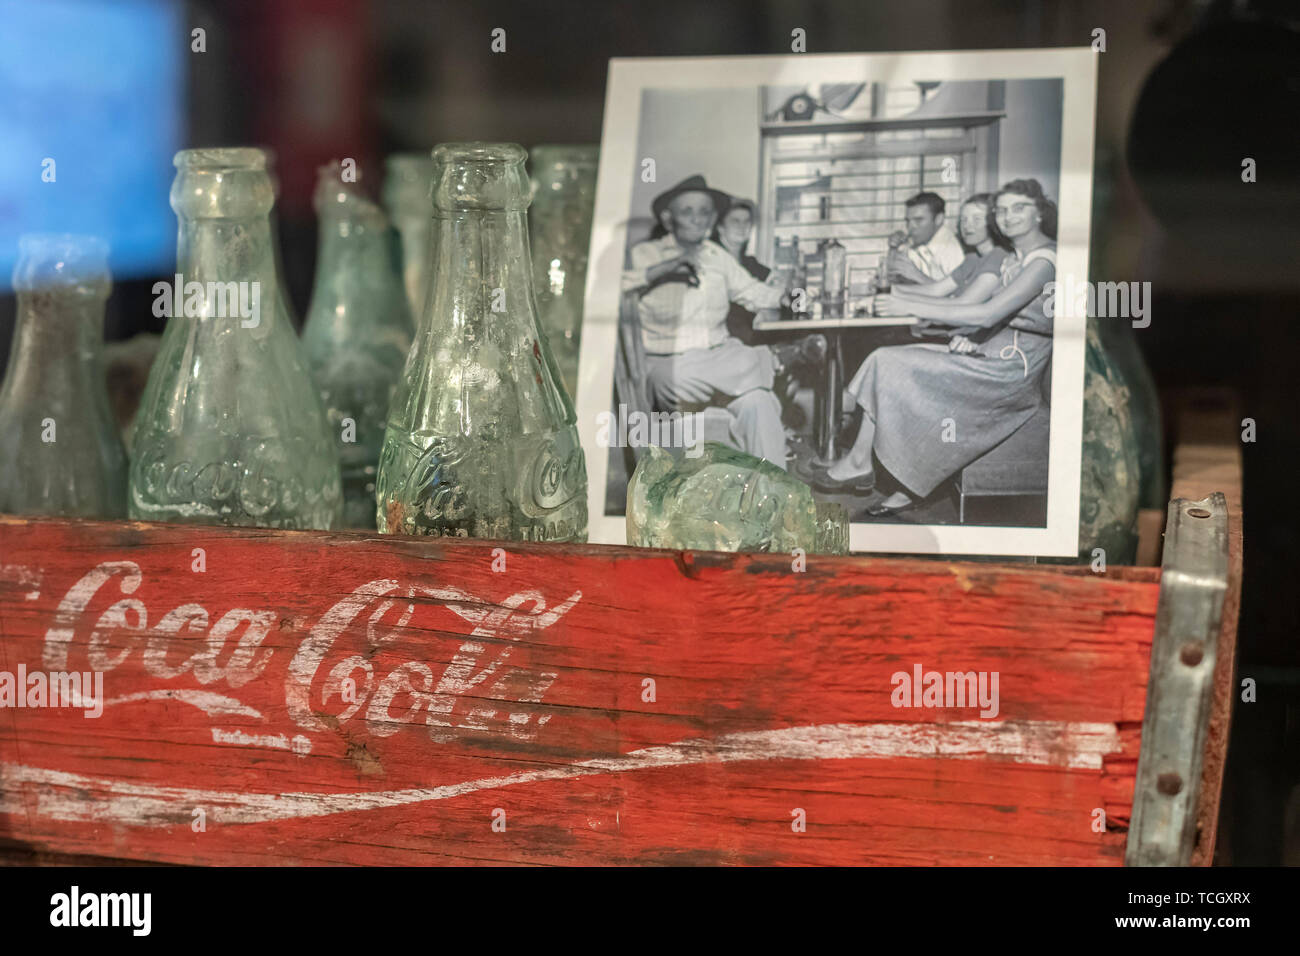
(830, 403)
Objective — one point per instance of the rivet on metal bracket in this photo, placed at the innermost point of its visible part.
(1193, 582)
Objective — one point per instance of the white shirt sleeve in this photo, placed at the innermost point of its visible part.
(743, 287)
(643, 255)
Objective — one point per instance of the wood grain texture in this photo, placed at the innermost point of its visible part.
(522, 692)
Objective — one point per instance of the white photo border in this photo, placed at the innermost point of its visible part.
(619, 164)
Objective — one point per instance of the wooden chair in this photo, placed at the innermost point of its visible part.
(630, 386)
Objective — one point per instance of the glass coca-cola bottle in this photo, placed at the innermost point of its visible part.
(357, 334)
(59, 447)
(230, 429)
(407, 181)
(716, 498)
(481, 438)
(564, 198)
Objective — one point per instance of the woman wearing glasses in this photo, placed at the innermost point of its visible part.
(930, 410)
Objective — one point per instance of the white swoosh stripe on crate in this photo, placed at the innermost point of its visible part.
(59, 795)
(214, 705)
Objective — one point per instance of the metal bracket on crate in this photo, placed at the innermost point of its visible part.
(1193, 581)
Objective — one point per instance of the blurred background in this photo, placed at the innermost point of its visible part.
(1188, 89)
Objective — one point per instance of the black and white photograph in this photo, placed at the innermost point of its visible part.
(846, 266)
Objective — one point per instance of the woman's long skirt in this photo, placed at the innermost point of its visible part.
(936, 411)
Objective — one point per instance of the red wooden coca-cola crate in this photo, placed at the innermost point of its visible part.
(311, 698)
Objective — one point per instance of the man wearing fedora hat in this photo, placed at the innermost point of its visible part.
(687, 283)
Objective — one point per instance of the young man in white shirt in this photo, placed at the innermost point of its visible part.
(933, 249)
(687, 284)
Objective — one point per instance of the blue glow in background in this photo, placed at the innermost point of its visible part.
(98, 86)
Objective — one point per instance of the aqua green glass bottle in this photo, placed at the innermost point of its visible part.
(564, 199)
(1111, 474)
(715, 498)
(230, 429)
(357, 334)
(408, 181)
(481, 438)
(1120, 341)
(59, 447)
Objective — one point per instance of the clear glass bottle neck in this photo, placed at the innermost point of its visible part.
(48, 320)
(227, 250)
(347, 244)
(226, 273)
(356, 284)
(481, 270)
(481, 320)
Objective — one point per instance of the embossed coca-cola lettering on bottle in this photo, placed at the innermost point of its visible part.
(230, 429)
(481, 439)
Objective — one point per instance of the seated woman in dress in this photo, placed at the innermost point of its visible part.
(979, 274)
(930, 410)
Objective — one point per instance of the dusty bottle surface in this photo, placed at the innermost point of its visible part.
(481, 439)
(564, 198)
(357, 334)
(230, 429)
(59, 447)
(722, 499)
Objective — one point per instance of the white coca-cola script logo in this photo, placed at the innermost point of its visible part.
(328, 681)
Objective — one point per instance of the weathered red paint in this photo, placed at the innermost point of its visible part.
(736, 645)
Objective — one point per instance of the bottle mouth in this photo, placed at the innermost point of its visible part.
(61, 260)
(408, 180)
(565, 169)
(410, 167)
(583, 155)
(478, 153)
(225, 183)
(233, 157)
(341, 196)
(480, 176)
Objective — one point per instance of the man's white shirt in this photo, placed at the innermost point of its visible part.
(940, 255)
(676, 316)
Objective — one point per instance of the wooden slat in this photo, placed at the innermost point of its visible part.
(772, 695)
